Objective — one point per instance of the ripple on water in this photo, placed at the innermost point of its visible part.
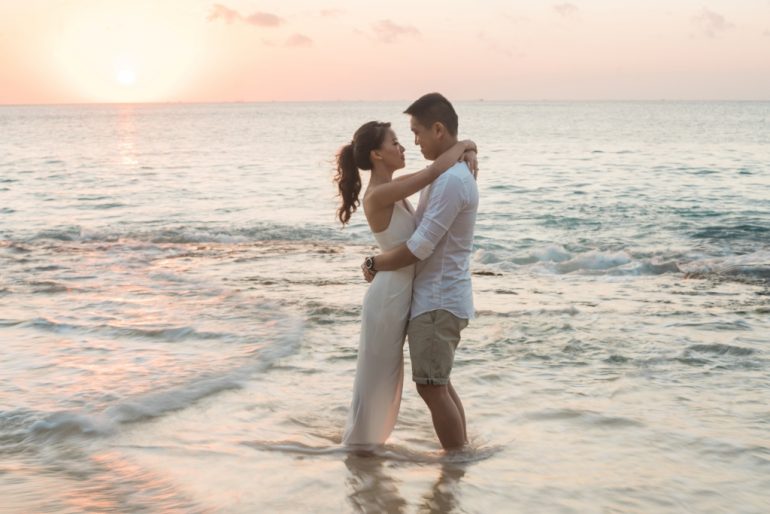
(387, 452)
(169, 334)
(721, 349)
(747, 231)
(48, 287)
(325, 314)
(584, 417)
(616, 359)
(715, 325)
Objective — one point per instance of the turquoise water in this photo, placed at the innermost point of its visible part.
(179, 312)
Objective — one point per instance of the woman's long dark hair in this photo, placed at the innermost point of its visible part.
(352, 157)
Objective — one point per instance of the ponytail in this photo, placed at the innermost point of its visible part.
(348, 181)
(350, 159)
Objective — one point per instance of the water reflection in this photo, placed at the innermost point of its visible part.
(442, 498)
(126, 136)
(373, 488)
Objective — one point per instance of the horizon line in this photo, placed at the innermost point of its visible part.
(463, 100)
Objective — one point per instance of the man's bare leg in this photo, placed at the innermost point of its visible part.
(459, 405)
(447, 419)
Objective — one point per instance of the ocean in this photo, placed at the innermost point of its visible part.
(179, 312)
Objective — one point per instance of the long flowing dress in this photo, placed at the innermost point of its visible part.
(380, 368)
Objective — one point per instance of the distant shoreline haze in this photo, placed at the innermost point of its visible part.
(402, 101)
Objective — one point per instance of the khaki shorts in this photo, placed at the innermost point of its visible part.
(433, 339)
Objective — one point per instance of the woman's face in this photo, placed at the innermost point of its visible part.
(392, 152)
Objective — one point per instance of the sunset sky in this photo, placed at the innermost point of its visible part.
(62, 51)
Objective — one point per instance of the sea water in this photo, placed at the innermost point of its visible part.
(179, 312)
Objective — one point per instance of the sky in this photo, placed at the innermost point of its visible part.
(73, 51)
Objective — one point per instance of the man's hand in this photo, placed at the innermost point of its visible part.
(368, 275)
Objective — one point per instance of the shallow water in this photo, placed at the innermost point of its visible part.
(179, 313)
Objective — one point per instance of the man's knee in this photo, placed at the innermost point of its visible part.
(431, 392)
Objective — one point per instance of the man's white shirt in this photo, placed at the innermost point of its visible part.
(443, 241)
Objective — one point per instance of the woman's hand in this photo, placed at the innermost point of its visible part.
(469, 145)
(471, 159)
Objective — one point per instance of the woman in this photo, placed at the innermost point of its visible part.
(380, 367)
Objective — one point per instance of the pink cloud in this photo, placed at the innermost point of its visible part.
(263, 19)
(260, 19)
(567, 10)
(712, 23)
(220, 11)
(388, 32)
(299, 40)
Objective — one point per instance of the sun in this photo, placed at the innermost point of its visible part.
(125, 76)
(121, 51)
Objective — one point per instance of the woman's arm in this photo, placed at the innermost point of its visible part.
(470, 157)
(408, 185)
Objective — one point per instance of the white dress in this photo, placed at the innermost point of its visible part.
(380, 368)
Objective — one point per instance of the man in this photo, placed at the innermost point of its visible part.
(442, 299)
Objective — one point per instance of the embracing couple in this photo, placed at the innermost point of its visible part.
(421, 282)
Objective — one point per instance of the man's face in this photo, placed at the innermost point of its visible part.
(426, 138)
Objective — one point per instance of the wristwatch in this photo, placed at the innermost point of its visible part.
(369, 263)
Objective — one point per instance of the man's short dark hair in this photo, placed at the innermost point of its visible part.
(433, 107)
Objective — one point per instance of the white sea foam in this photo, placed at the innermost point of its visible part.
(750, 265)
(190, 234)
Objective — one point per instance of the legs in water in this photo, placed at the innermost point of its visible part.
(433, 339)
(447, 413)
(460, 408)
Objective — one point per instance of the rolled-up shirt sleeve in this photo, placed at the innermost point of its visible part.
(446, 201)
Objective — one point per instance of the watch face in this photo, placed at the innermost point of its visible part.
(369, 263)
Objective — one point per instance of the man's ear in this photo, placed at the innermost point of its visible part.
(438, 129)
